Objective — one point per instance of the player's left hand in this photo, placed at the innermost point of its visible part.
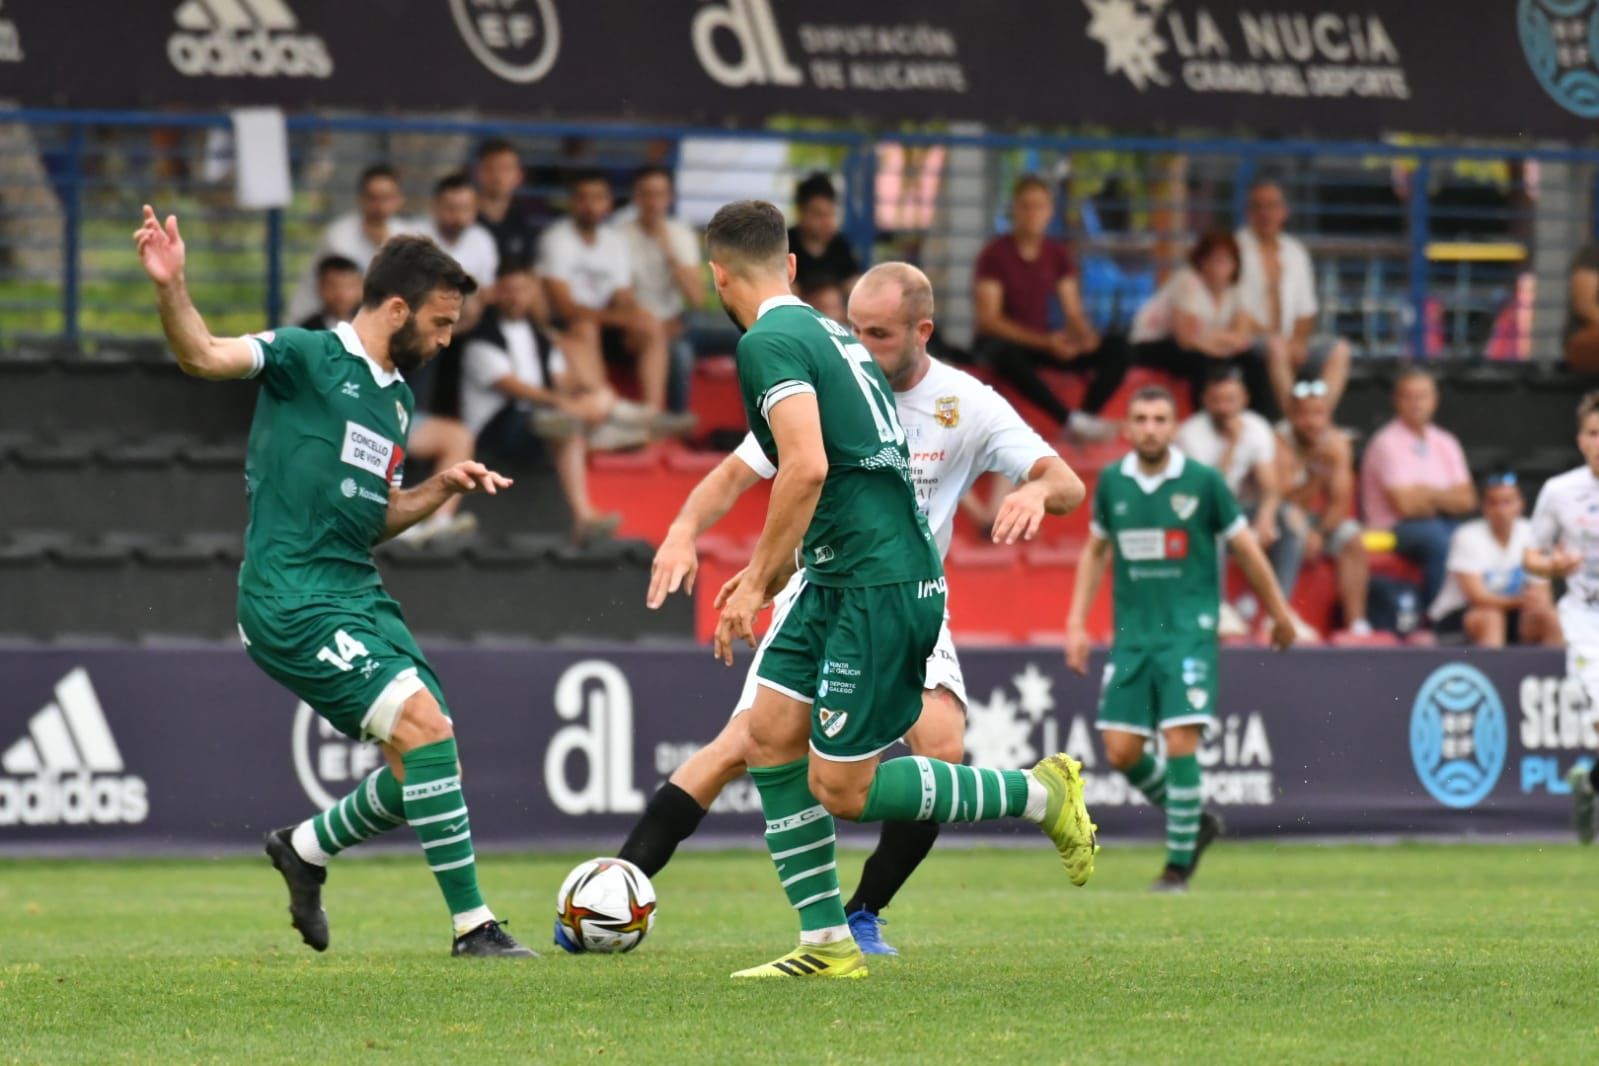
(1283, 633)
(1021, 512)
(739, 602)
(471, 476)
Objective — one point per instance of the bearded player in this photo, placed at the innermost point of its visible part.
(842, 674)
(323, 474)
(957, 428)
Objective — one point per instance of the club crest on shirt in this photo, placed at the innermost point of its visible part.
(947, 411)
(1184, 504)
(405, 419)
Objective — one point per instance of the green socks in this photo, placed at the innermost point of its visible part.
(436, 809)
(799, 834)
(373, 808)
(1148, 775)
(1184, 799)
(916, 789)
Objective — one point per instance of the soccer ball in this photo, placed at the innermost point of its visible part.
(605, 905)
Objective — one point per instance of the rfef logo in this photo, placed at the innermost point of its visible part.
(244, 38)
(516, 39)
(1458, 735)
(1561, 41)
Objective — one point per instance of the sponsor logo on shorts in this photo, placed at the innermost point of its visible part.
(1458, 735)
(67, 769)
(823, 554)
(843, 669)
(1197, 698)
(938, 587)
(832, 722)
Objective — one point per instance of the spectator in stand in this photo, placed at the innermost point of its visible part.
(1582, 312)
(1277, 288)
(1488, 596)
(356, 234)
(589, 276)
(821, 254)
(1229, 437)
(1316, 469)
(1415, 482)
(828, 299)
(665, 257)
(338, 292)
(1017, 275)
(498, 173)
(455, 227)
(1195, 323)
(518, 397)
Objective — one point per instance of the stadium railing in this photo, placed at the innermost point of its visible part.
(1421, 249)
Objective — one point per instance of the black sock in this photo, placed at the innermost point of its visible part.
(1593, 776)
(900, 850)
(671, 818)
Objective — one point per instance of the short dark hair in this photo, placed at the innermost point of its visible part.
(373, 173)
(1411, 371)
(815, 186)
(450, 182)
(1223, 373)
(336, 264)
(1154, 394)
(746, 233)
(1588, 405)
(587, 176)
(412, 267)
(513, 264)
(495, 146)
(1029, 181)
(1212, 241)
(1261, 181)
(652, 170)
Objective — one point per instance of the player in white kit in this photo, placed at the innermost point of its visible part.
(956, 429)
(1565, 544)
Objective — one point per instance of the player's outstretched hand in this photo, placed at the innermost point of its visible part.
(1021, 512)
(472, 476)
(675, 567)
(1077, 648)
(1283, 633)
(160, 247)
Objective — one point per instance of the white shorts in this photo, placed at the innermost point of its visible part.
(1580, 624)
(943, 666)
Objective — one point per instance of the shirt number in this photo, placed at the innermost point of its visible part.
(881, 407)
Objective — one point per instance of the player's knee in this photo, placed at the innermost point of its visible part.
(421, 722)
(844, 795)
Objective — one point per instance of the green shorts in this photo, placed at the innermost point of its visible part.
(350, 657)
(858, 656)
(1147, 690)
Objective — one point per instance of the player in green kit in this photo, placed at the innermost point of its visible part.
(842, 675)
(1159, 514)
(323, 473)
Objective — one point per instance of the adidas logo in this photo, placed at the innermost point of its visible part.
(244, 38)
(68, 770)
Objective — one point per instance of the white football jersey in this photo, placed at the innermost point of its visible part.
(956, 429)
(1567, 515)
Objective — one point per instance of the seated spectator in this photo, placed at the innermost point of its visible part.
(665, 258)
(1582, 312)
(1316, 469)
(498, 176)
(338, 292)
(589, 276)
(1489, 596)
(453, 224)
(1194, 323)
(357, 234)
(1277, 288)
(517, 393)
(1239, 443)
(822, 255)
(1017, 275)
(828, 299)
(1415, 482)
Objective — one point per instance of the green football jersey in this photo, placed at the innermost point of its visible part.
(1162, 531)
(326, 445)
(867, 529)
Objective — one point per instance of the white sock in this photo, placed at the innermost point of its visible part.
(831, 935)
(1037, 799)
(304, 842)
(467, 921)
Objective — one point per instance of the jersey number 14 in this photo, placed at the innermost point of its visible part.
(858, 358)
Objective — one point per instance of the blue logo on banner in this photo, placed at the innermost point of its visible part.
(1561, 40)
(1457, 735)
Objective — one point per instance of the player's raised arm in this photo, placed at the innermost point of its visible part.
(677, 561)
(199, 354)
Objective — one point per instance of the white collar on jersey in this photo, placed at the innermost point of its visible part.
(1174, 468)
(779, 301)
(352, 344)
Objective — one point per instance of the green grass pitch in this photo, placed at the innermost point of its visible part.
(1281, 954)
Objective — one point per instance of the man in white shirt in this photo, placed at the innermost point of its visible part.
(357, 234)
(1488, 595)
(589, 274)
(1565, 545)
(956, 429)
(455, 227)
(1277, 288)
(667, 279)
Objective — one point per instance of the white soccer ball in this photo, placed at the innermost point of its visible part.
(606, 905)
